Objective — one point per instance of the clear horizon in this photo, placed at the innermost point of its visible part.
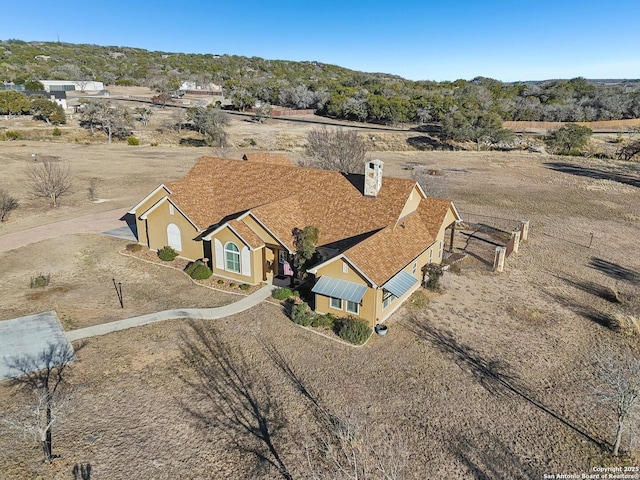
(434, 40)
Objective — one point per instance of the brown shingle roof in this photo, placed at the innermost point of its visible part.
(386, 252)
(433, 210)
(264, 157)
(285, 196)
(246, 233)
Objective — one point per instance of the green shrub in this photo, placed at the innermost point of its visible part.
(133, 140)
(434, 274)
(12, 135)
(198, 270)
(154, 144)
(301, 315)
(167, 254)
(233, 285)
(245, 286)
(327, 321)
(56, 132)
(220, 281)
(282, 293)
(40, 280)
(352, 330)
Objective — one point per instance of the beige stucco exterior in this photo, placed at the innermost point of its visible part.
(142, 207)
(255, 258)
(412, 202)
(371, 308)
(155, 226)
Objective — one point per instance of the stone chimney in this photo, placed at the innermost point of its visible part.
(372, 178)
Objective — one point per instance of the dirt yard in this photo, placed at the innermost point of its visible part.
(492, 378)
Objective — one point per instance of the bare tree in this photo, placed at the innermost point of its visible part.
(142, 114)
(43, 375)
(7, 204)
(336, 149)
(109, 117)
(620, 389)
(49, 179)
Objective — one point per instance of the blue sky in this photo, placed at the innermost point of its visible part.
(419, 40)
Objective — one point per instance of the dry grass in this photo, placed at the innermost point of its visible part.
(486, 380)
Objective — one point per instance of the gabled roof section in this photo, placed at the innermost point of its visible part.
(385, 253)
(433, 212)
(141, 202)
(146, 213)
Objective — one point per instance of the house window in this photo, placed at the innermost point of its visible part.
(387, 298)
(174, 239)
(232, 257)
(335, 303)
(345, 268)
(431, 255)
(352, 307)
(171, 209)
(414, 269)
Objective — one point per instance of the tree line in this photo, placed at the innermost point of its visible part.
(334, 91)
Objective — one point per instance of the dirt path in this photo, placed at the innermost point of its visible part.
(93, 223)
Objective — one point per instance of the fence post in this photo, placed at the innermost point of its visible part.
(516, 240)
(524, 229)
(498, 261)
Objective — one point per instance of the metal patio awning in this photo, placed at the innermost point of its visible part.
(333, 287)
(400, 283)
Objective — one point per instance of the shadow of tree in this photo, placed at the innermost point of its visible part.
(491, 374)
(592, 288)
(614, 270)
(234, 399)
(599, 174)
(585, 311)
(81, 471)
(490, 458)
(424, 142)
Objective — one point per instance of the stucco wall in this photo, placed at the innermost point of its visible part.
(157, 222)
(335, 270)
(256, 259)
(140, 224)
(412, 202)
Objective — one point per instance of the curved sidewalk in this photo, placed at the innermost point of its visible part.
(196, 313)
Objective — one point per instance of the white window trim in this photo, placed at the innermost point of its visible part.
(345, 268)
(387, 297)
(171, 209)
(331, 299)
(431, 255)
(414, 268)
(346, 307)
(235, 252)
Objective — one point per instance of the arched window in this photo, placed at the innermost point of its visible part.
(173, 237)
(231, 257)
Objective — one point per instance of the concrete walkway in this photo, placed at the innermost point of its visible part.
(197, 313)
(92, 223)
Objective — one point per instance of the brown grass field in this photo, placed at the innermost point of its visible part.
(492, 378)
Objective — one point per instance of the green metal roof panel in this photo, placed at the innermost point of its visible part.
(333, 287)
(400, 283)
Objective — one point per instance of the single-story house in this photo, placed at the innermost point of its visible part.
(375, 234)
(58, 97)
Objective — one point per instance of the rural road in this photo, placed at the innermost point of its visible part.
(92, 223)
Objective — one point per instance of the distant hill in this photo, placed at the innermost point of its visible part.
(333, 90)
